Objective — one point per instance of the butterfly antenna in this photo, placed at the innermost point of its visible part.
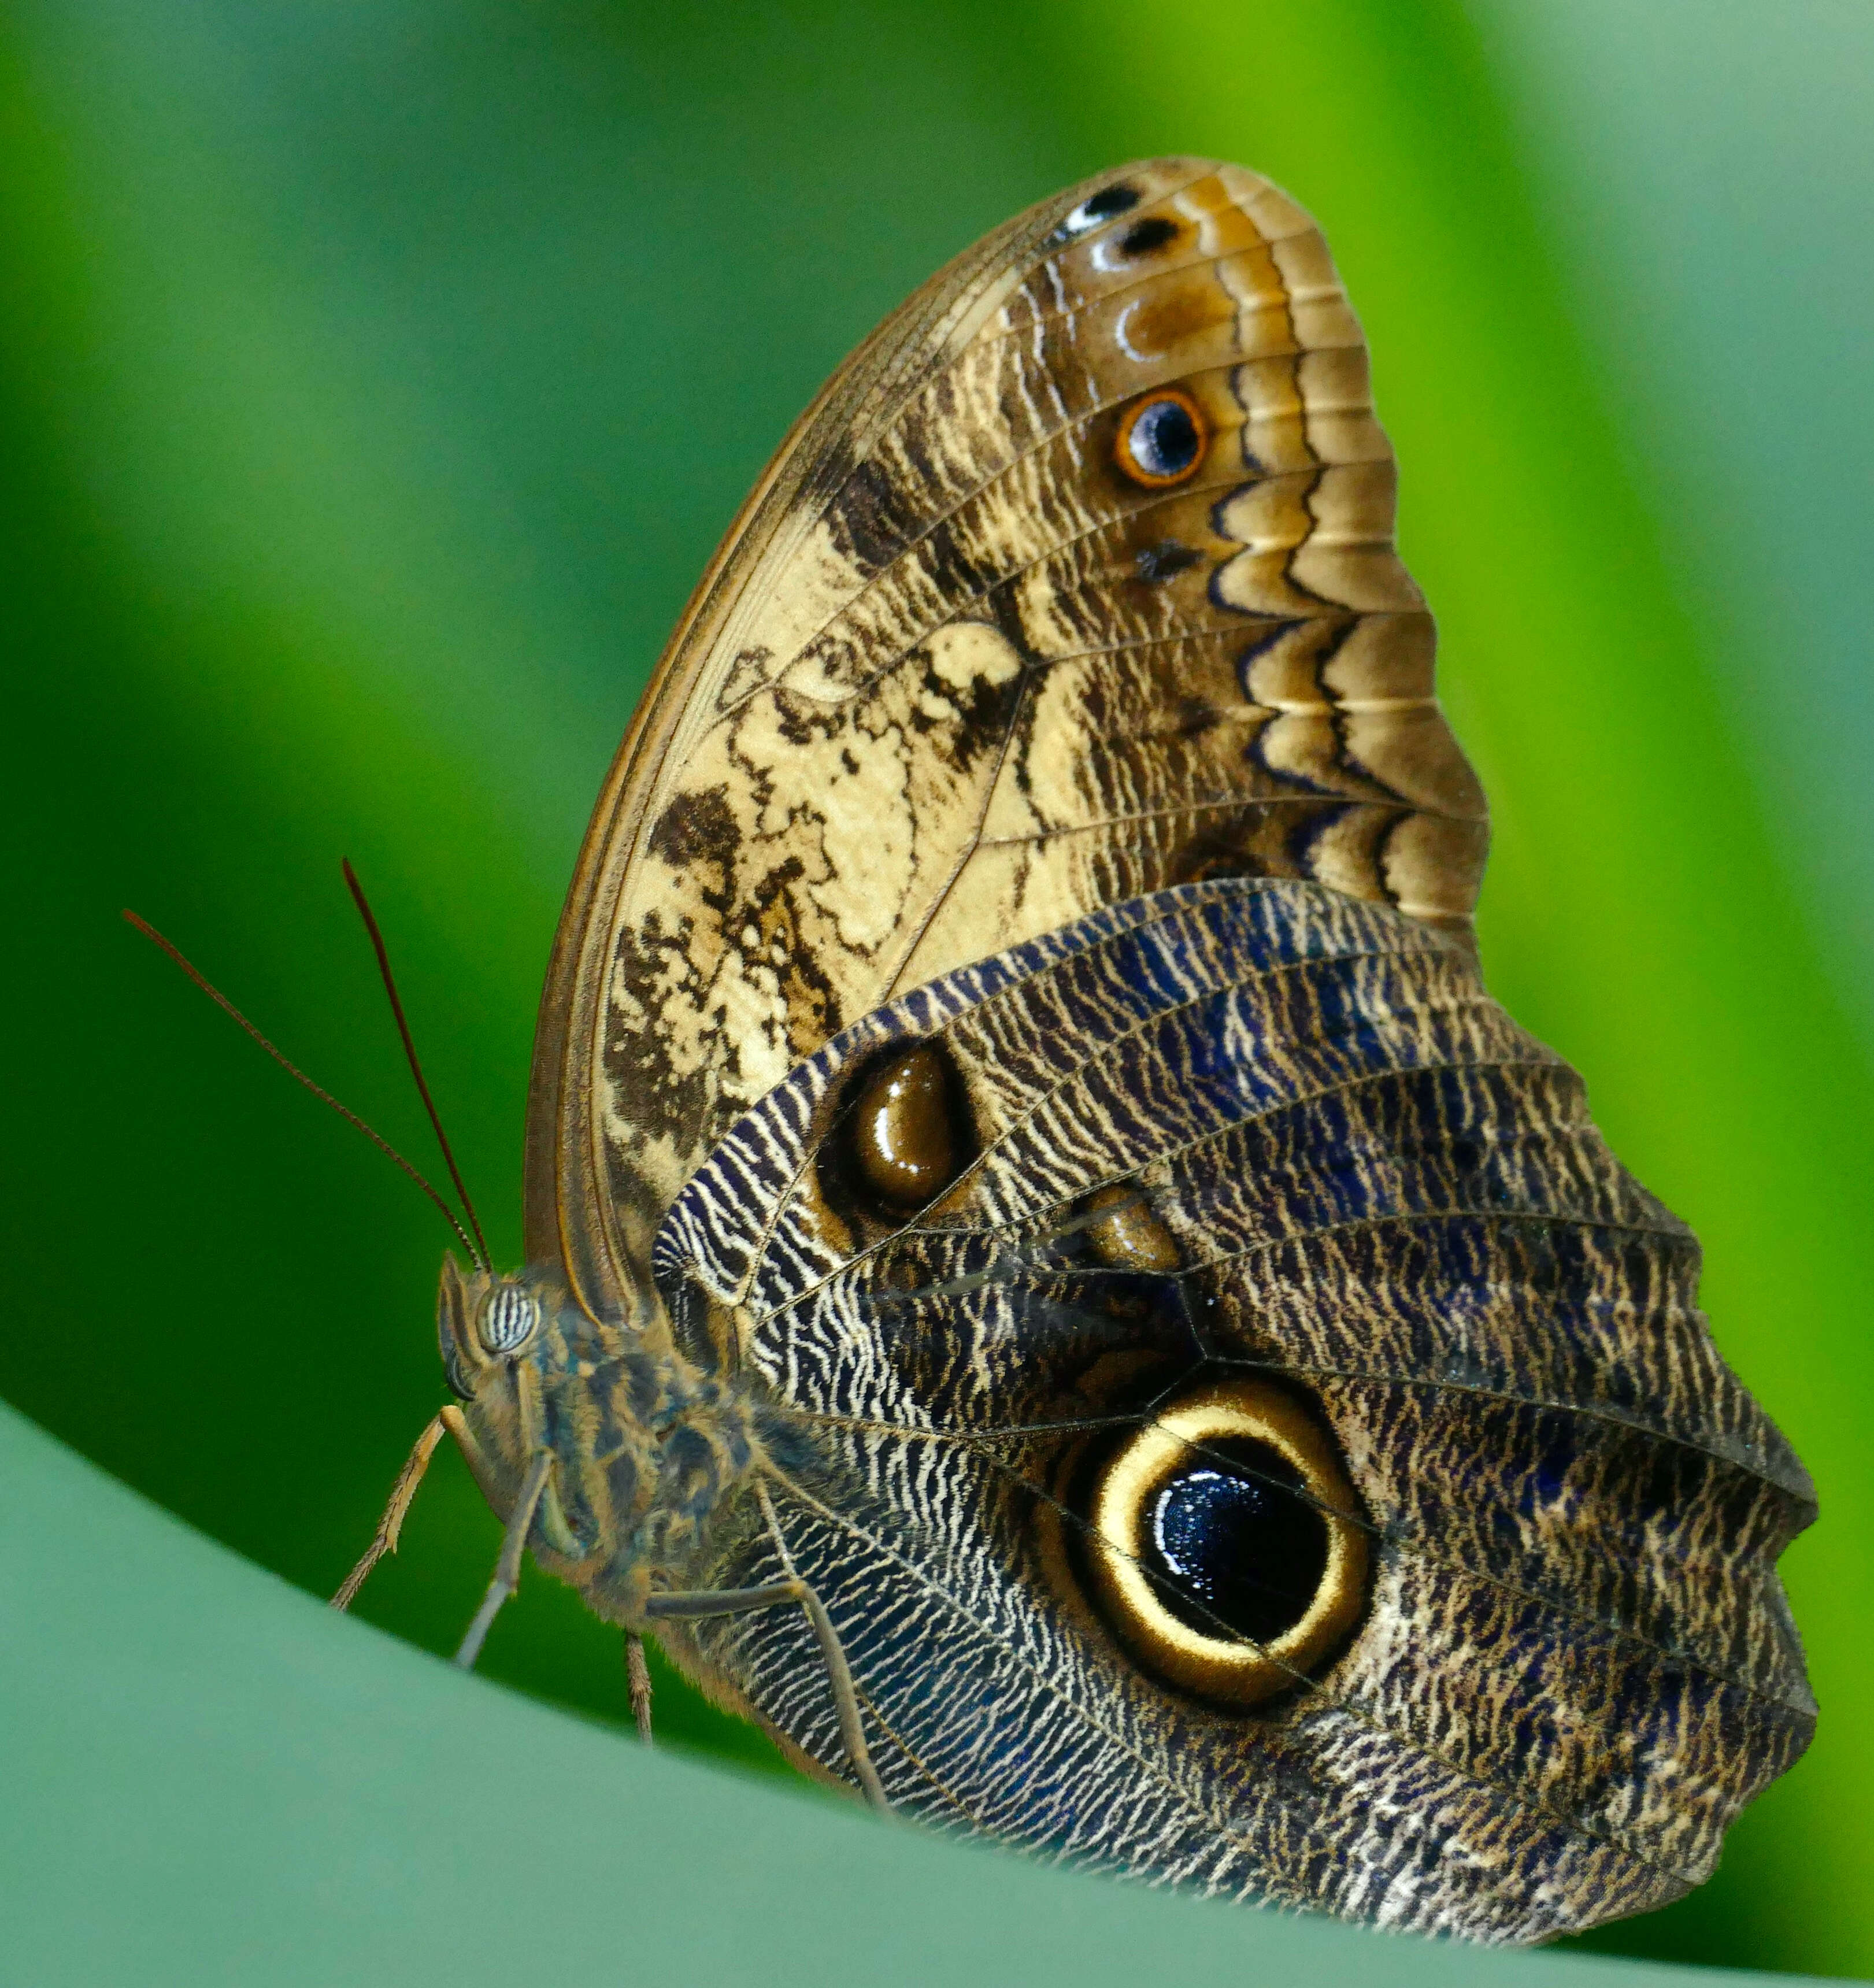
(410, 1049)
(293, 1071)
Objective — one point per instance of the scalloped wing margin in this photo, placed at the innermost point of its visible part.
(1576, 1663)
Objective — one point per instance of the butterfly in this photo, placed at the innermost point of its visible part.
(1051, 1283)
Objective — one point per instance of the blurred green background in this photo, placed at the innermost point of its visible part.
(375, 381)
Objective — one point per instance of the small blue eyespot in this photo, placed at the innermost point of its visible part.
(1161, 440)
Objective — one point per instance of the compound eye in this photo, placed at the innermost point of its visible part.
(1227, 1549)
(510, 1317)
(1162, 440)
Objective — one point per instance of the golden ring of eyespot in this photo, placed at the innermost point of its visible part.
(1207, 1434)
(1162, 439)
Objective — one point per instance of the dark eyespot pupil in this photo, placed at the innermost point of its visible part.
(1109, 200)
(1164, 439)
(1144, 236)
(1234, 1546)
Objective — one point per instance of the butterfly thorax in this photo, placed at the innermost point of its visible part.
(646, 1447)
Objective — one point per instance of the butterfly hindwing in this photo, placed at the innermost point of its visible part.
(1261, 1137)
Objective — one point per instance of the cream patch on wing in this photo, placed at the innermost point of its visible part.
(868, 838)
(967, 653)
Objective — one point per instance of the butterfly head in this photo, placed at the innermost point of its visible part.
(506, 1349)
(538, 1377)
(483, 1321)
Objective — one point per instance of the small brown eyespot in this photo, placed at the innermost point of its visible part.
(1126, 1235)
(1162, 440)
(1225, 1543)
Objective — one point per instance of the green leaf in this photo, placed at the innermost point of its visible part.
(210, 1779)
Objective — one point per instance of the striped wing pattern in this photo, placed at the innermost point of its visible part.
(1575, 1663)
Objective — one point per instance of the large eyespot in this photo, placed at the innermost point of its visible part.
(905, 1134)
(1225, 1547)
(510, 1317)
(1162, 440)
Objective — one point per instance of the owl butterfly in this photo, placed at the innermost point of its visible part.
(1050, 1282)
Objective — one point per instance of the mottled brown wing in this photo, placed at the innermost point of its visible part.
(997, 640)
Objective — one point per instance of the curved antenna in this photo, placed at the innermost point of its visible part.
(293, 1071)
(410, 1049)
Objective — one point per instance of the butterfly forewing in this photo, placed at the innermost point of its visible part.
(971, 665)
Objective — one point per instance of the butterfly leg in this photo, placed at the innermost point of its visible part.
(777, 1594)
(507, 1568)
(402, 1491)
(637, 1680)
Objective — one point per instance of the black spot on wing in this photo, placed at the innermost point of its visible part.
(1116, 199)
(1160, 561)
(696, 828)
(1109, 200)
(870, 516)
(1143, 237)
